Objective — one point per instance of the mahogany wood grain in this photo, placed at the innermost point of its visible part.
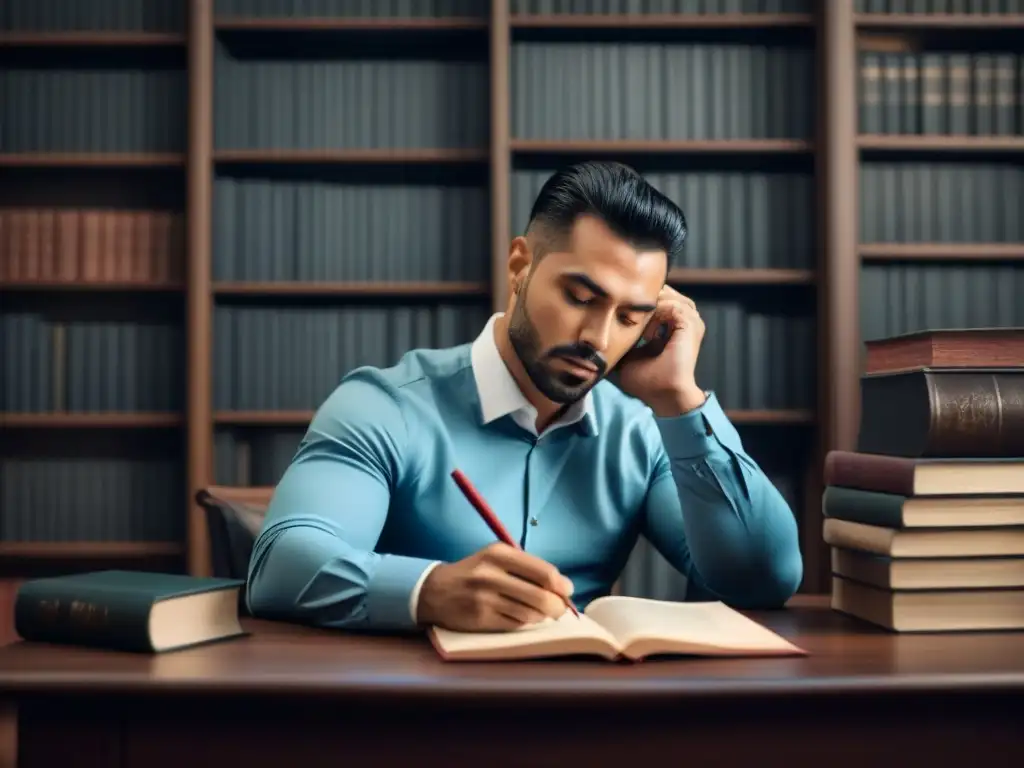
(289, 695)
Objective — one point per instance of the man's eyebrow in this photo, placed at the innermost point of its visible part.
(586, 282)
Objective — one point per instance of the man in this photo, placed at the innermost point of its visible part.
(368, 530)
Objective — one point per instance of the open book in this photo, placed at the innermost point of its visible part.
(623, 628)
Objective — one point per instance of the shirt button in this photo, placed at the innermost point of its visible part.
(533, 521)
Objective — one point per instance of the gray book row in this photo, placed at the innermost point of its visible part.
(94, 15)
(979, 93)
(354, 104)
(90, 499)
(291, 358)
(660, 91)
(939, 6)
(257, 458)
(375, 9)
(903, 298)
(284, 358)
(101, 110)
(736, 219)
(267, 229)
(941, 202)
(89, 367)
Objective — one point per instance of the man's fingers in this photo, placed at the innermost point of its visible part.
(541, 601)
(530, 568)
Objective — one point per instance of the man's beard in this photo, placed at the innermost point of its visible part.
(557, 386)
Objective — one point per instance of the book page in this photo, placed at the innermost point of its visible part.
(567, 634)
(710, 628)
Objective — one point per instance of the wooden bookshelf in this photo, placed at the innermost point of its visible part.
(832, 152)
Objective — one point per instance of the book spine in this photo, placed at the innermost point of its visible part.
(944, 414)
(46, 613)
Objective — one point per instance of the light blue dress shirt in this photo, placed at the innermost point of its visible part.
(367, 506)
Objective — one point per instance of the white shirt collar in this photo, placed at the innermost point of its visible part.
(501, 396)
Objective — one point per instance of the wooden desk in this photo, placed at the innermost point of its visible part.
(291, 696)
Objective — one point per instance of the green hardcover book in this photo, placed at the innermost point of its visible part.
(128, 610)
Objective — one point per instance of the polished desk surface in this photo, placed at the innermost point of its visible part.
(846, 656)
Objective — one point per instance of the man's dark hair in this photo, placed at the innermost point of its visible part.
(617, 194)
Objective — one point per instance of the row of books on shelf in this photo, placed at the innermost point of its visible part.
(978, 93)
(925, 520)
(91, 245)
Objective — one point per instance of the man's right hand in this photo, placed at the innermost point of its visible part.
(496, 589)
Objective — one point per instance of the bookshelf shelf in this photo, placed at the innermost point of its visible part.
(66, 420)
(924, 21)
(91, 160)
(941, 251)
(741, 276)
(917, 142)
(366, 24)
(660, 21)
(396, 156)
(63, 550)
(436, 289)
(91, 39)
(27, 286)
(621, 146)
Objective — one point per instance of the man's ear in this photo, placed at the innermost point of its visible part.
(520, 257)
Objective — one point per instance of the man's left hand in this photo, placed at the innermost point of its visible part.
(662, 373)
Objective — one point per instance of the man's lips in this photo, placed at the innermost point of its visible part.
(579, 363)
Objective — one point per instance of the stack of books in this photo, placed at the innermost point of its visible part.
(925, 520)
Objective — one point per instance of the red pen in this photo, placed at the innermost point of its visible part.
(481, 506)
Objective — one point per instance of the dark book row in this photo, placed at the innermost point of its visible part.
(350, 104)
(661, 91)
(291, 358)
(48, 364)
(977, 93)
(285, 229)
(274, 229)
(120, 109)
(90, 499)
(903, 298)
(243, 458)
(736, 219)
(941, 202)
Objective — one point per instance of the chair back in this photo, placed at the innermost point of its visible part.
(234, 517)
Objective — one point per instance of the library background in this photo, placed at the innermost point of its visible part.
(210, 211)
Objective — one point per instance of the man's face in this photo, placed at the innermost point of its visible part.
(582, 308)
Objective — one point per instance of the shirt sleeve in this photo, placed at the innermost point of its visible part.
(716, 517)
(314, 559)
